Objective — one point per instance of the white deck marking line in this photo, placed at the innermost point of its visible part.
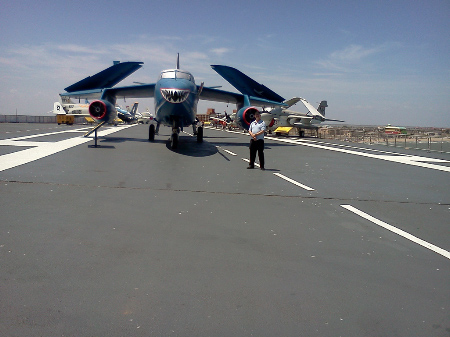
(398, 231)
(398, 158)
(285, 178)
(38, 135)
(294, 182)
(248, 161)
(393, 157)
(43, 149)
(227, 151)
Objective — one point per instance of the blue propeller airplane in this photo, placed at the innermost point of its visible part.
(175, 97)
(128, 116)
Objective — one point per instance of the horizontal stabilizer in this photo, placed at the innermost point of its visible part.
(246, 85)
(106, 78)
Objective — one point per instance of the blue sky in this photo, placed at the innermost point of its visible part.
(375, 62)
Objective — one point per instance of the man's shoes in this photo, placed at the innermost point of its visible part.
(262, 168)
(250, 167)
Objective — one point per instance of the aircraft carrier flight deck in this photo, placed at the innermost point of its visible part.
(132, 238)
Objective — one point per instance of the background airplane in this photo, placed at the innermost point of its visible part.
(70, 108)
(175, 97)
(128, 116)
(223, 121)
(276, 116)
(310, 120)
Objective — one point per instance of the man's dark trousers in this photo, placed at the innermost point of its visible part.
(257, 145)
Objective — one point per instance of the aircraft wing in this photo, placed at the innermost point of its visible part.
(310, 108)
(106, 78)
(102, 85)
(292, 101)
(84, 94)
(211, 94)
(136, 91)
(314, 112)
(246, 85)
(148, 90)
(93, 87)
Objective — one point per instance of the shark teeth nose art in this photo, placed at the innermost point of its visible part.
(175, 95)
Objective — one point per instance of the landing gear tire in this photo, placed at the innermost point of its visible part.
(200, 134)
(151, 133)
(174, 141)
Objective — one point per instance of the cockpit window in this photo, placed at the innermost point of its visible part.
(177, 74)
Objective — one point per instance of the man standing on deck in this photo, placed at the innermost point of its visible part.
(256, 131)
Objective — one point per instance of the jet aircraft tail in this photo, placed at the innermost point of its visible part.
(58, 109)
(134, 109)
(319, 113)
(322, 107)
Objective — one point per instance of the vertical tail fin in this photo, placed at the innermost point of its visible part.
(178, 60)
(58, 109)
(134, 109)
(322, 107)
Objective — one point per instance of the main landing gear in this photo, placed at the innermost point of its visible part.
(174, 138)
(200, 135)
(152, 131)
(198, 131)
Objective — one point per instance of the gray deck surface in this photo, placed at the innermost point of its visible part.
(135, 239)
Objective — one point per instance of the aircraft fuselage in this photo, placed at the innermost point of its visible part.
(176, 98)
(301, 121)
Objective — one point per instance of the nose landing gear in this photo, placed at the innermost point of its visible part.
(175, 135)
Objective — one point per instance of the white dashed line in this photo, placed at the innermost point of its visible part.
(396, 158)
(229, 152)
(294, 182)
(248, 161)
(398, 231)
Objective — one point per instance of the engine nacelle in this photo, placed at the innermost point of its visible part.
(245, 116)
(102, 111)
(268, 119)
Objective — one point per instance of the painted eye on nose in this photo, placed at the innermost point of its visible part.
(175, 95)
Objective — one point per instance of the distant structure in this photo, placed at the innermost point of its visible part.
(205, 117)
(395, 130)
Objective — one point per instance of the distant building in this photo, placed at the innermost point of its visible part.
(395, 130)
(205, 117)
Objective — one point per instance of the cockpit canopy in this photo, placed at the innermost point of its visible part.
(177, 74)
